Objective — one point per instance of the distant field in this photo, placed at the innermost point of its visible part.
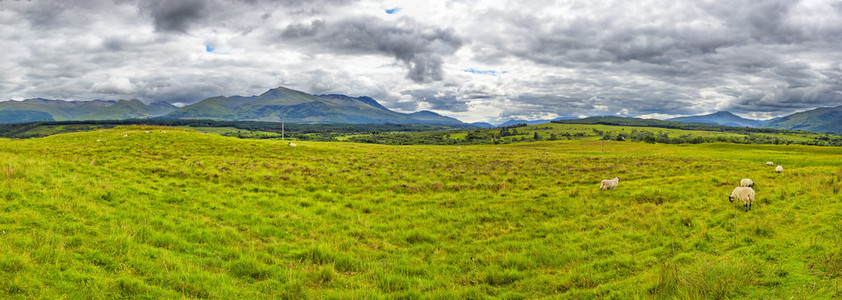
(553, 131)
(188, 215)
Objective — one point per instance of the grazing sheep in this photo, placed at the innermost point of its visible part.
(291, 144)
(745, 194)
(779, 169)
(98, 140)
(769, 163)
(746, 183)
(609, 184)
(126, 135)
(147, 131)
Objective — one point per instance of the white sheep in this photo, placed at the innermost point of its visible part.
(147, 131)
(769, 163)
(609, 183)
(126, 135)
(779, 169)
(744, 194)
(291, 144)
(746, 183)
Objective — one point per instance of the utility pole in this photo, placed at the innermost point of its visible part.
(283, 118)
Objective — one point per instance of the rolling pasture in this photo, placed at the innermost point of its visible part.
(175, 213)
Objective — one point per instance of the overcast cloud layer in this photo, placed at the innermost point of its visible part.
(474, 60)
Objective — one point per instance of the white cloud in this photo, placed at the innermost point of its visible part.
(550, 58)
(114, 86)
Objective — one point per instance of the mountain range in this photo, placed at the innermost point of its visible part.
(283, 104)
(719, 118)
(822, 120)
(274, 105)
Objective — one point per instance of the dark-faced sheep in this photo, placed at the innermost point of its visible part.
(744, 194)
(609, 183)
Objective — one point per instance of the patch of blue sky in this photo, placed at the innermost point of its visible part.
(484, 72)
(393, 10)
(208, 48)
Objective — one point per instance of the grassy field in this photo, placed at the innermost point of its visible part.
(182, 214)
(593, 132)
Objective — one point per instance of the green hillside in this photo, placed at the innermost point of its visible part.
(824, 119)
(23, 116)
(178, 214)
(60, 110)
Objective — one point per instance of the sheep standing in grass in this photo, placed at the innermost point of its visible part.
(769, 163)
(744, 194)
(609, 183)
(291, 144)
(746, 183)
(779, 169)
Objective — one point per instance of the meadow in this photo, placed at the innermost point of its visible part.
(174, 213)
(581, 131)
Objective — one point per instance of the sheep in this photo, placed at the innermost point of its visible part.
(745, 194)
(126, 135)
(291, 144)
(147, 131)
(746, 183)
(609, 184)
(99, 140)
(769, 163)
(779, 169)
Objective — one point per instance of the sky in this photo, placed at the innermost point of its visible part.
(487, 61)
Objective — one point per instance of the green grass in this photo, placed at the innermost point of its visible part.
(188, 215)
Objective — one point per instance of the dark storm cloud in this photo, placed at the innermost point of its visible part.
(764, 51)
(418, 46)
(564, 58)
(439, 100)
(303, 30)
(175, 16)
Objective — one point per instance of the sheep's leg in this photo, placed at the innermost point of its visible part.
(749, 205)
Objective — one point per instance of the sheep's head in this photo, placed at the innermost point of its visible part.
(618, 178)
(731, 198)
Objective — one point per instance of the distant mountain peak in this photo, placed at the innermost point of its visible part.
(719, 118)
(364, 99)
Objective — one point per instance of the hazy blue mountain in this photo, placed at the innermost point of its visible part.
(823, 119)
(130, 109)
(38, 109)
(719, 118)
(59, 110)
(533, 122)
(483, 124)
